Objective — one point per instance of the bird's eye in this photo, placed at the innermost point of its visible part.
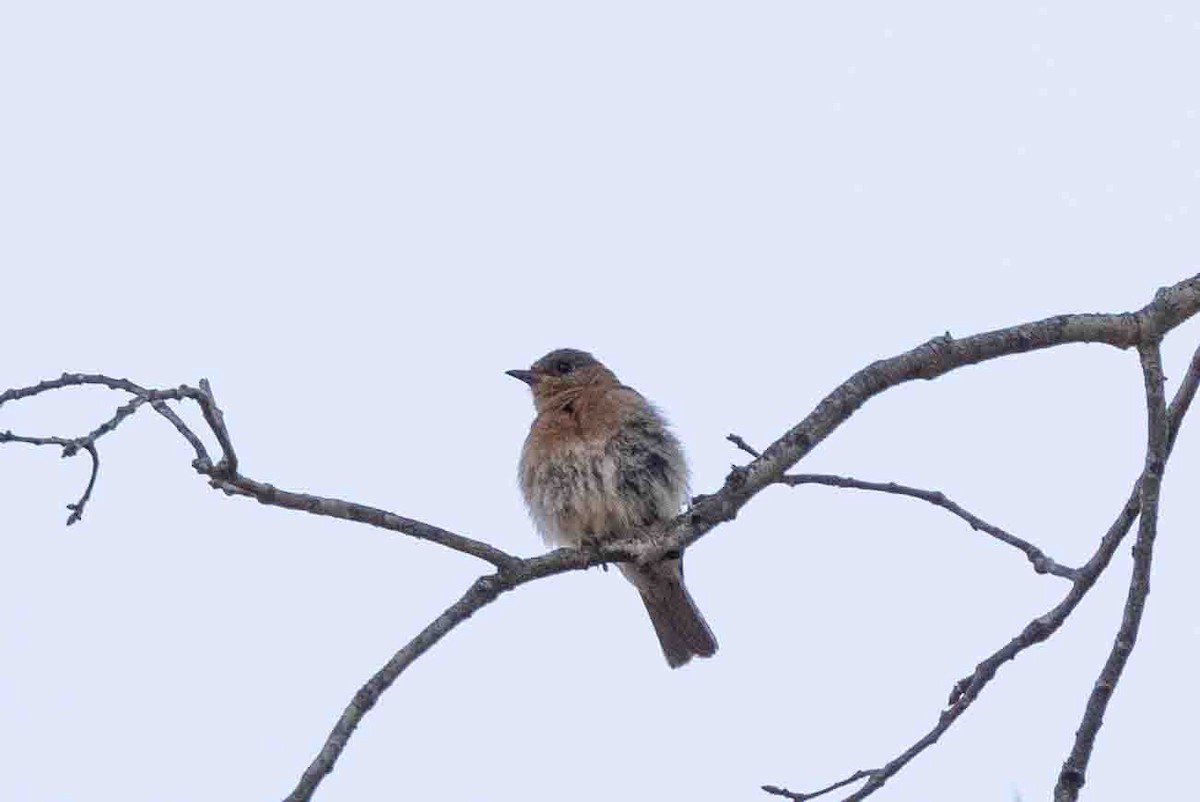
(563, 367)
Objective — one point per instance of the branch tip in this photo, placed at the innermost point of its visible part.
(1041, 563)
(743, 445)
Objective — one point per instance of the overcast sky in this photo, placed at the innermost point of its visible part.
(354, 217)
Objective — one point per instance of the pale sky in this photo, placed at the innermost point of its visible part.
(354, 217)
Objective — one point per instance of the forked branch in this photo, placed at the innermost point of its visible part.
(1143, 328)
(967, 689)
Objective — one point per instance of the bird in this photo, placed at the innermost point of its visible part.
(600, 463)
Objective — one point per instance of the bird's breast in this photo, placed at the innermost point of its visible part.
(580, 484)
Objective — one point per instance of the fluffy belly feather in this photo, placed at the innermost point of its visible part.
(601, 491)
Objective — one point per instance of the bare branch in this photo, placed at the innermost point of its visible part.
(1170, 307)
(77, 508)
(112, 423)
(62, 442)
(966, 690)
(224, 474)
(743, 445)
(795, 796)
(1074, 770)
(69, 449)
(216, 421)
(482, 591)
(1041, 563)
(156, 398)
(351, 511)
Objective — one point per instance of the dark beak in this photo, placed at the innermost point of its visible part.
(526, 376)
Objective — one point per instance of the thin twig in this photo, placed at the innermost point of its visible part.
(361, 513)
(216, 421)
(796, 796)
(123, 412)
(77, 508)
(1074, 770)
(1041, 563)
(224, 474)
(743, 445)
(62, 442)
(69, 449)
(482, 591)
(71, 446)
(156, 398)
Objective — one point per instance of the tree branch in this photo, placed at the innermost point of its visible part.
(239, 485)
(482, 591)
(156, 398)
(966, 690)
(1041, 563)
(743, 445)
(69, 449)
(224, 474)
(1074, 770)
(1170, 307)
(861, 774)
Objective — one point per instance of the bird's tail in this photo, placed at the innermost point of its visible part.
(681, 629)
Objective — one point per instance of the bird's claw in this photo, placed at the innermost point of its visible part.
(591, 543)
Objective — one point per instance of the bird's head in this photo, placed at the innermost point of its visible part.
(562, 371)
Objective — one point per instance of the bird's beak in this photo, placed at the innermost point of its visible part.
(527, 376)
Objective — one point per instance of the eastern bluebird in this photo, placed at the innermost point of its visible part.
(600, 463)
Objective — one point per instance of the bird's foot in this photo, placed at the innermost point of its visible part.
(591, 543)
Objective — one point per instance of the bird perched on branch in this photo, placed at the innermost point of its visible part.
(600, 464)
